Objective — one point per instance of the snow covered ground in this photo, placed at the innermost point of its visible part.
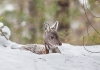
(71, 58)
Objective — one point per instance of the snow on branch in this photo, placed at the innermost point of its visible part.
(4, 31)
(3, 34)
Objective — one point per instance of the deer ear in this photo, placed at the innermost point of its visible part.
(46, 26)
(55, 26)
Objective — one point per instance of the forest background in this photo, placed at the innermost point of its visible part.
(77, 19)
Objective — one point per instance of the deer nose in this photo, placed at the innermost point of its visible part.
(60, 44)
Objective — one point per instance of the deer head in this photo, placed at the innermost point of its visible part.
(51, 37)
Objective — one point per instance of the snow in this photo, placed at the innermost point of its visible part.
(71, 58)
(9, 7)
(84, 2)
(1, 24)
(6, 7)
(6, 30)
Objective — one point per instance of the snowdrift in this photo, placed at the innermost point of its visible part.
(71, 57)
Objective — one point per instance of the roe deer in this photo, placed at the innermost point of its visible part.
(51, 38)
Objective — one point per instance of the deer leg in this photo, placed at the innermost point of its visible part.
(56, 50)
(46, 49)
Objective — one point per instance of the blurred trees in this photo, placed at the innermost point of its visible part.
(62, 14)
(25, 18)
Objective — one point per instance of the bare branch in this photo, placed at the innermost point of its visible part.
(88, 19)
(90, 11)
(87, 25)
(87, 29)
(97, 0)
(87, 49)
(3, 34)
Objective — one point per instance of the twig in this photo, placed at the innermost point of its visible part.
(90, 12)
(3, 34)
(90, 24)
(87, 49)
(88, 32)
(88, 19)
(90, 37)
(97, 0)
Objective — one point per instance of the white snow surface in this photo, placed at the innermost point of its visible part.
(71, 58)
(1, 24)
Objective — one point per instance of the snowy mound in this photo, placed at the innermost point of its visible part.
(5, 34)
(71, 57)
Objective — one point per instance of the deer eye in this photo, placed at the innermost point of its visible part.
(52, 37)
